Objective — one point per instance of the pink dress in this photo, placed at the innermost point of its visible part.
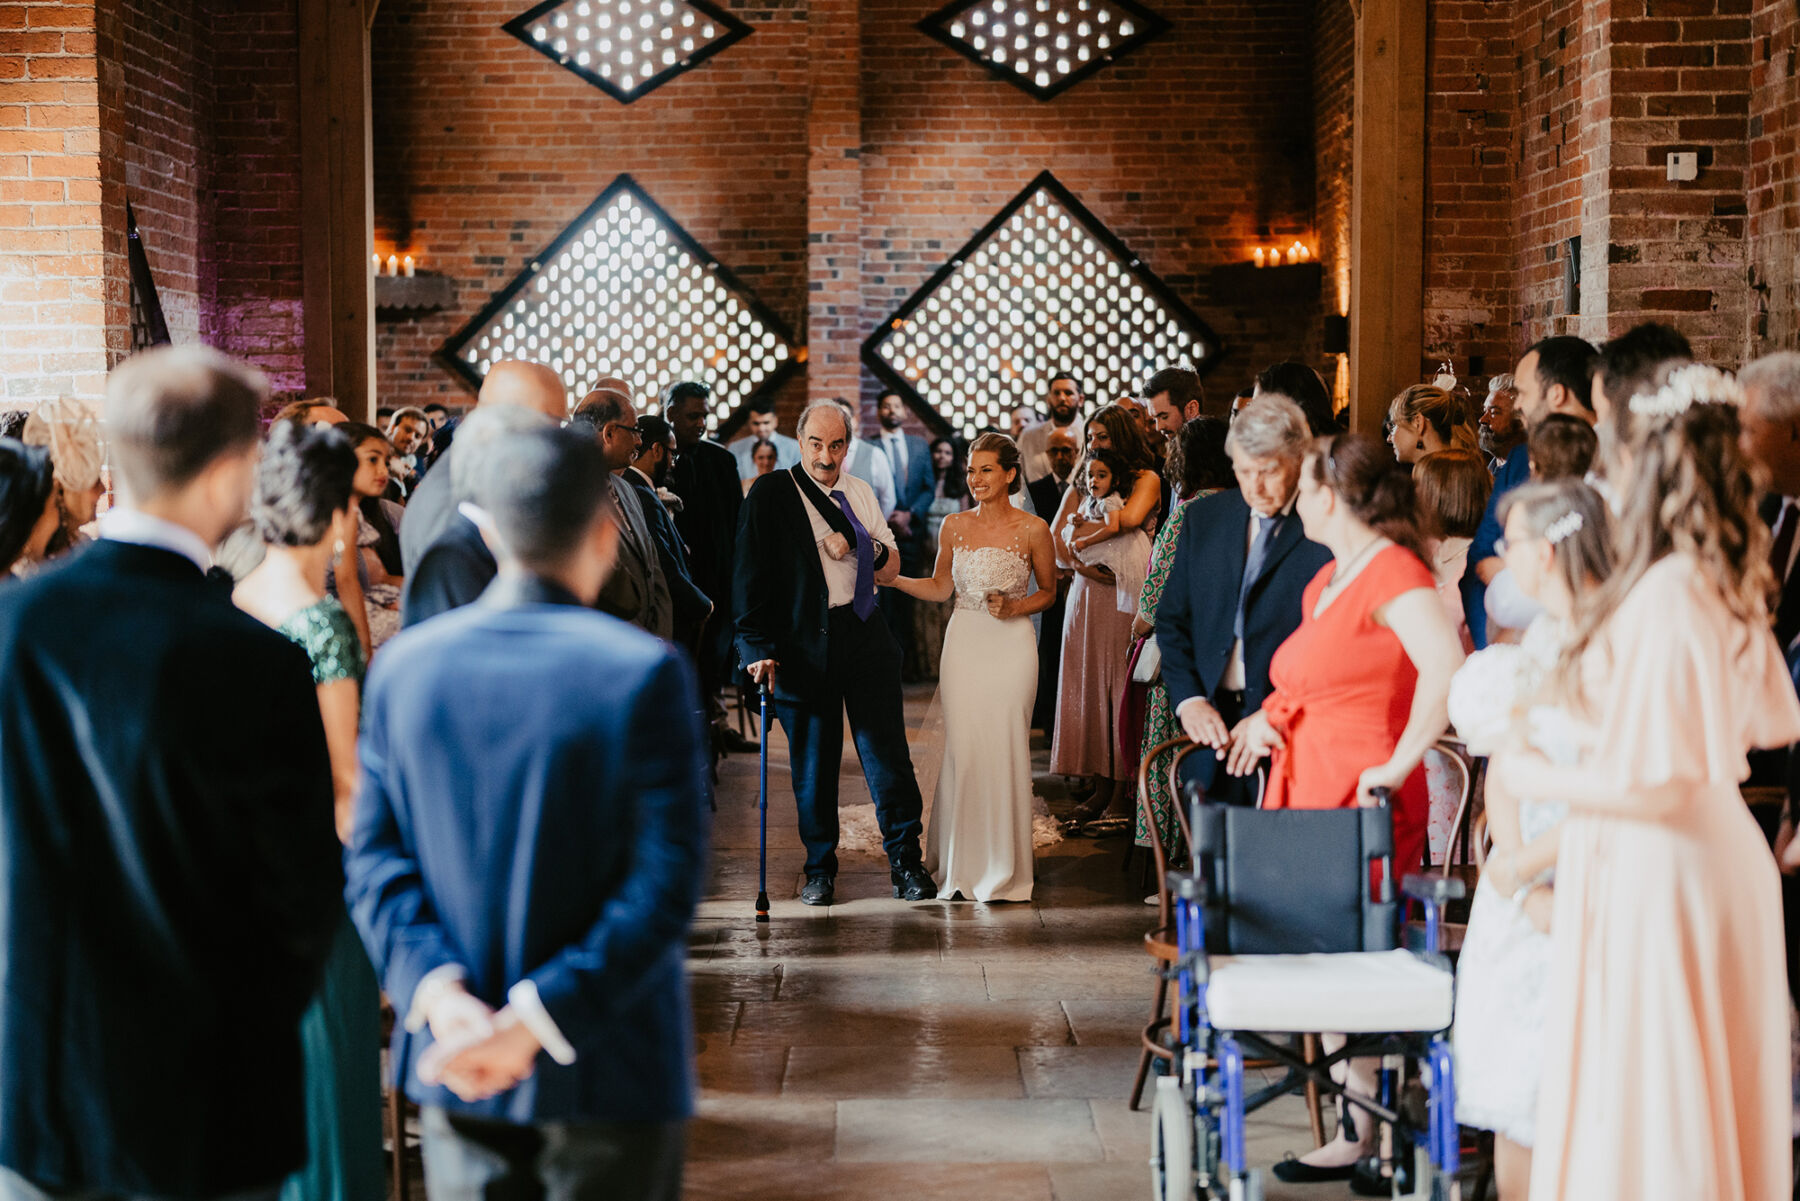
(1665, 1060)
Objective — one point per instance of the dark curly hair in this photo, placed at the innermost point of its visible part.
(302, 482)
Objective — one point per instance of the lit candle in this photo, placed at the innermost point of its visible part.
(1305, 254)
(1259, 256)
(393, 264)
(377, 260)
(409, 266)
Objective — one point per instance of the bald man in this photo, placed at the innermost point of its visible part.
(513, 383)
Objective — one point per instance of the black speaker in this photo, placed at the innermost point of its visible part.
(1337, 334)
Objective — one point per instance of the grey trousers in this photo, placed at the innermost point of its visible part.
(14, 1187)
(471, 1159)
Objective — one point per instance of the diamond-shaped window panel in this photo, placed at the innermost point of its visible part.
(1044, 289)
(628, 48)
(624, 291)
(1043, 46)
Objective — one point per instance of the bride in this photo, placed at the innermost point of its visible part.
(979, 843)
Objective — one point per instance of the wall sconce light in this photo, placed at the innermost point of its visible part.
(1337, 334)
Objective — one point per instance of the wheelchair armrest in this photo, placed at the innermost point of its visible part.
(1187, 886)
(1433, 888)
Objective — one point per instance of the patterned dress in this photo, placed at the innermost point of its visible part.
(340, 1033)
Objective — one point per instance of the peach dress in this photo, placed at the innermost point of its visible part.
(1665, 1061)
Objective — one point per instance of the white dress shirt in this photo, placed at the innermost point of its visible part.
(1234, 671)
(120, 524)
(840, 574)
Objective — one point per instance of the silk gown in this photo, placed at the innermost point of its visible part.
(1342, 691)
(1666, 1055)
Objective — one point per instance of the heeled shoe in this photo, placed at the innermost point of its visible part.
(1089, 811)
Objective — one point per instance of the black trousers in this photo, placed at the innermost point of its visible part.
(863, 681)
(472, 1159)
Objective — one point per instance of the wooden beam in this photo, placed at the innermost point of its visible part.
(337, 203)
(1387, 212)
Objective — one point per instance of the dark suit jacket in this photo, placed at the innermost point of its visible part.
(1046, 496)
(519, 821)
(1195, 617)
(916, 491)
(169, 880)
(450, 573)
(691, 603)
(705, 477)
(428, 514)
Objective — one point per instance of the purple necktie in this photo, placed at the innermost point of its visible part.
(864, 604)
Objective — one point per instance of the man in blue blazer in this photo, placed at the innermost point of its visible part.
(909, 456)
(1234, 591)
(528, 852)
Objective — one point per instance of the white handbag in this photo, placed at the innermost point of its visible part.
(1149, 663)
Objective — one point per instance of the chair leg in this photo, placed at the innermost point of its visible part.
(1309, 1052)
(1156, 1015)
(396, 1120)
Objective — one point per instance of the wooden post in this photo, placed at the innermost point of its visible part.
(1387, 213)
(337, 203)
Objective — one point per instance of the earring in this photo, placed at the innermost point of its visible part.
(337, 552)
(1421, 444)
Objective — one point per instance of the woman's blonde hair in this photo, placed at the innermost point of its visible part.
(1444, 411)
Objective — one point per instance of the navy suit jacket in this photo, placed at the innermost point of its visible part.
(1199, 603)
(916, 491)
(534, 805)
(691, 604)
(1517, 471)
(449, 574)
(170, 881)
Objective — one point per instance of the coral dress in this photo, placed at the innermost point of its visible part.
(1665, 1062)
(1343, 689)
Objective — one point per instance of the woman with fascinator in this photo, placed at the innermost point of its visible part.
(70, 431)
(1663, 1069)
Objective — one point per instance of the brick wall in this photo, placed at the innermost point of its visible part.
(1547, 165)
(1773, 182)
(167, 92)
(1334, 104)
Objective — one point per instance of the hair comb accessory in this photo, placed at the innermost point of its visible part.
(1688, 386)
(1564, 527)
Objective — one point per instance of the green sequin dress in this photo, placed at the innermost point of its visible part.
(340, 1033)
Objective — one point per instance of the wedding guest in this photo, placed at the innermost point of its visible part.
(1558, 547)
(1175, 398)
(375, 532)
(70, 431)
(165, 836)
(1562, 448)
(1554, 376)
(528, 851)
(648, 472)
(1453, 488)
(1502, 429)
(1302, 385)
(764, 457)
(1631, 363)
(1358, 690)
(1201, 468)
(302, 505)
(1046, 492)
(1064, 400)
(28, 514)
(1234, 590)
(705, 477)
(1097, 632)
(949, 494)
(867, 463)
(443, 432)
(1666, 988)
(1425, 419)
(636, 590)
(909, 460)
(409, 429)
(761, 427)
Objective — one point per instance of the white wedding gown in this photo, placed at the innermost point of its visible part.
(979, 840)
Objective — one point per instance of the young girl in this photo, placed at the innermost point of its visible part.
(1557, 548)
(1094, 531)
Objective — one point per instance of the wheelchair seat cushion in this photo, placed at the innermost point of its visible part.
(1360, 992)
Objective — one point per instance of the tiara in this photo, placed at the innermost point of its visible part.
(1686, 387)
(1566, 526)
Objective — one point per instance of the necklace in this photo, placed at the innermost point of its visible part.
(1349, 567)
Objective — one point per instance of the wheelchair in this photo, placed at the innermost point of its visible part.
(1287, 924)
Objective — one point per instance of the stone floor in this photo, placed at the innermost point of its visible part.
(936, 1050)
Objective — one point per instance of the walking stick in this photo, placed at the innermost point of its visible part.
(762, 804)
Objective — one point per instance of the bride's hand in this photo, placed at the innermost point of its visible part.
(1000, 605)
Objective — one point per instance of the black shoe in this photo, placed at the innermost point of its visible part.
(1367, 1180)
(1292, 1171)
(819, 891)
(912, 884)
(732, 742)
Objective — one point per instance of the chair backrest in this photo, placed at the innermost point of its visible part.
(1296, 881)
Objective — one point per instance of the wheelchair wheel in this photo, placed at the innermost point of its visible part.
(1171, 1143)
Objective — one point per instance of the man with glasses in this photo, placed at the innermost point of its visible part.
(637, 591)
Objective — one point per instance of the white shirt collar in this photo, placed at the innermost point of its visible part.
(634, 468)
(120, 524)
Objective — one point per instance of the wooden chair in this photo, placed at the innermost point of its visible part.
(1159, 943)
(395, 1105)
(1461, 855)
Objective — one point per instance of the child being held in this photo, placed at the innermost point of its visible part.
(1094, 532)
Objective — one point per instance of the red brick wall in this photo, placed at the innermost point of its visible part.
(167, 93)
(1547, 164)
(1773, 183)
(1334, 104)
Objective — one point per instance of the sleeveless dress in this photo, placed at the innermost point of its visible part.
(1342, 691)
(979, 840)
(340, 1032)
(1665, 1061)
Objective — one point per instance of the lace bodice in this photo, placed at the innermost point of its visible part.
(979, 570)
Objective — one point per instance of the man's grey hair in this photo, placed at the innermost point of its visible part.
(1270, 426)
(481, 429)
(830, 407)
(1504, 382)
(1776, 380)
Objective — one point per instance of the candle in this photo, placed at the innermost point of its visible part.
(1305, 254)
(393, 264)
(409, 266)
(1259, 256)
(377, 260)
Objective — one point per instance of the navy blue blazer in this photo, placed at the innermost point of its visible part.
(534, 805)
(1194, 619)
(918, 489)
(169, 881)
(691, 604)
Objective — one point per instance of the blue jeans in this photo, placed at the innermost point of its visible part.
(474, 1159)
